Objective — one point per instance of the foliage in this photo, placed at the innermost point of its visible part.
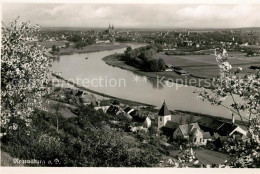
(55, 49)
(80, 41)
(67, 44)
(142, 58)
(75, 38)
(24, 74)
(232, 84)
(86, 140)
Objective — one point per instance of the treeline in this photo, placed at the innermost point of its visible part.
(142, 58)
(80, 42)
(180, 53)
(252, 52)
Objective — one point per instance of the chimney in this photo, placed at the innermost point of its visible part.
(233, 118)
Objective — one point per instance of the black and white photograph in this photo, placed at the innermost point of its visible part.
(130, 84)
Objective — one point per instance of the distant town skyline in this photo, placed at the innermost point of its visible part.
(135, 15)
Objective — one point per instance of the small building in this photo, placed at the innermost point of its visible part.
(219, 128)
(164, 115)
(113, 110)
(168, 69)
(209, 125)
(141, 117)
(230, 129)
(147, 122)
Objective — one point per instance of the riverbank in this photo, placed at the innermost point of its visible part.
(190, 80)
(91, 48)
(151, 107)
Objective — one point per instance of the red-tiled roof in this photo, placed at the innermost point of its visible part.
(164, 110)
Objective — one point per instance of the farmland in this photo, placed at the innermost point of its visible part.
(205, 66)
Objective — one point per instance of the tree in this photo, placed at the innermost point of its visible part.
(129, 53)
(57, 106)
(75, 38)
(55, 49)
(161, 65)
(67, 44)
(231, 84)
(24, 75)
(181, 120)
(153, 65)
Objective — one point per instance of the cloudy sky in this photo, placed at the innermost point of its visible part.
(135, 15)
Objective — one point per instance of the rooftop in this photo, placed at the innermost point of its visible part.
(164, 111)
(171, 125)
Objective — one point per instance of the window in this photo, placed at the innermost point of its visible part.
(195, 139)
(160, 118)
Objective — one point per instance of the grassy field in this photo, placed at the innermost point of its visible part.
(205, 156)
(205, 66)
(210, 157)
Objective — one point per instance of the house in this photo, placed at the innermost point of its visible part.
(184, 131)
(127, 111)
(188, 43)
(113, 110)
(141, 117)
(231, 130)
(209, 125)
(219, 128)
(147, 122)
(193, 133)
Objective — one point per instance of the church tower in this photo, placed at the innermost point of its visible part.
(163, 116)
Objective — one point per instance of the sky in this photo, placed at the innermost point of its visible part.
(135, 15)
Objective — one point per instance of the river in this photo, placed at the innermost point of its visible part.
(130, 85)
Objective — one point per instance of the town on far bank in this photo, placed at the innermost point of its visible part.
(173, 54)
